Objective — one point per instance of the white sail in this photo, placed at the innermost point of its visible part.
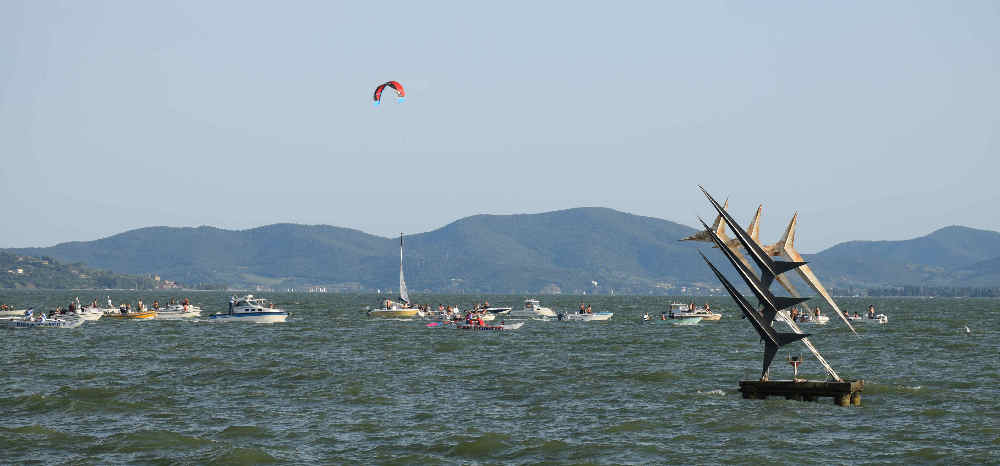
(403, 296)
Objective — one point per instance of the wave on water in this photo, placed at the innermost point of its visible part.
(242, 455)
(148, 441)
(716, 392)
(484, 446)
(244, 432)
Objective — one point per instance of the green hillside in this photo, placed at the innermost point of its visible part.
(27, 272)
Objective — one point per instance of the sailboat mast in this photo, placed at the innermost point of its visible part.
(403, 295)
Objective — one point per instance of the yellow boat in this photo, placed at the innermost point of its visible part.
(131, 315)
(394, 313)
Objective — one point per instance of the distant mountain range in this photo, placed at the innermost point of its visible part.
(563, 251)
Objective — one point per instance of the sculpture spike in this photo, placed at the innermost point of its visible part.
(754, 228)
(718, 227)
(788, 239)
(768, 268)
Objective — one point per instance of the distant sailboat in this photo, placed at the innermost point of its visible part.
(402, 308)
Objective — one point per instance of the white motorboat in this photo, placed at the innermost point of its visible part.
(89, 313)
(250, 309)
(877, 319)
(586, 317)
(681, 311)
(178, 311)
(807, 318)
(30, 321)
(811, 319)
(401, 309)
(532, 310)
(498, 310)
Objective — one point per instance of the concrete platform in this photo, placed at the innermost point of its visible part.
(845, 393)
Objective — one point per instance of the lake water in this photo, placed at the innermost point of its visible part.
(332, 386)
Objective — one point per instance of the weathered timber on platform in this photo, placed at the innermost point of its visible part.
(843, 393)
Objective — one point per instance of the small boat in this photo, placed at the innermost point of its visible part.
(143, 315)
(498, 310)
(28, 320)
(878, 319)
(250, 309)
(681, 310)
(401, 309)
(586, 317)
(178, 311)
(532, 310)
(494, 328)
(807, 317)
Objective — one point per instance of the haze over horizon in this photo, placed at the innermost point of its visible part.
(875, 121)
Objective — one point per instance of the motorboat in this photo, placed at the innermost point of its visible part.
(89, 313)
(663, 319)
(402, 308)
(498, 310)
(178, 311)
(532, 310)
(681, 310)
(28, 320)
(877, 319)
(250, 309)
(586, 317)
(806, 318)
(495, 328)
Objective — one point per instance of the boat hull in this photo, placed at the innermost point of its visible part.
(394, 313)
(253, 317)
(145, 315)
(169, 315)
(540, 315)
(588, 317)
(685, 320)
(54, 323)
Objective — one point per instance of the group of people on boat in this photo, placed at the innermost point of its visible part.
(870, 314)
(585, 309)
(804, 316)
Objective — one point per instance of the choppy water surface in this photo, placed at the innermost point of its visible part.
(332, 386)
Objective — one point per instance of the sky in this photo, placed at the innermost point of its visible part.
(872, 120)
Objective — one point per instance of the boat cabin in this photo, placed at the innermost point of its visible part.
(249, 303)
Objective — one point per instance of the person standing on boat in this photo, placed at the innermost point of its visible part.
(817, 312)
(871, 311)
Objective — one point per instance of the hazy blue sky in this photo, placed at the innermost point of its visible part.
(874, 120)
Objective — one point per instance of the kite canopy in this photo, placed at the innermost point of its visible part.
(400, 93)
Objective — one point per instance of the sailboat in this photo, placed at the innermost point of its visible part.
(401, 308)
